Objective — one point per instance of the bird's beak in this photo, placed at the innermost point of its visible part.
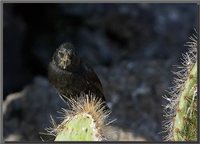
(65, 61)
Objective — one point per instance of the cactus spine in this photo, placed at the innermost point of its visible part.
(181, 110)
(85, 121)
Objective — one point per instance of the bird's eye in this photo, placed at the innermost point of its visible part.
(60, 54)
(70, 52)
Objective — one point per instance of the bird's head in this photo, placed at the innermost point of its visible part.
(65, 56)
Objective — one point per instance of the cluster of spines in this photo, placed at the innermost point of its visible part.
(181, 108)
(85, 106)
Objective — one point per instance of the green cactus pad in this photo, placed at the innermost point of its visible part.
(185, 124)
(181, 110)
(80, 128)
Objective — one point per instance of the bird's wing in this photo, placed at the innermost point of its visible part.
(92, 77)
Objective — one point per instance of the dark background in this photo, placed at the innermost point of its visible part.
(147, 39)
(104, 33)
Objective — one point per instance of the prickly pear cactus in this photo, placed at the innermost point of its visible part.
(84, 121)
(181, 109)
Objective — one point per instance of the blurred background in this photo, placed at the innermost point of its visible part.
(132, 48)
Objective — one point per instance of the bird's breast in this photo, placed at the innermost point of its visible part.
(66, 81)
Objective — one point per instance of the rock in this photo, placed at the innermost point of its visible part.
(27, 113)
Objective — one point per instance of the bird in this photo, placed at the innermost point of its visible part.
(71, 75)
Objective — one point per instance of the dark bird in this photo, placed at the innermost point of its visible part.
(71, 76)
